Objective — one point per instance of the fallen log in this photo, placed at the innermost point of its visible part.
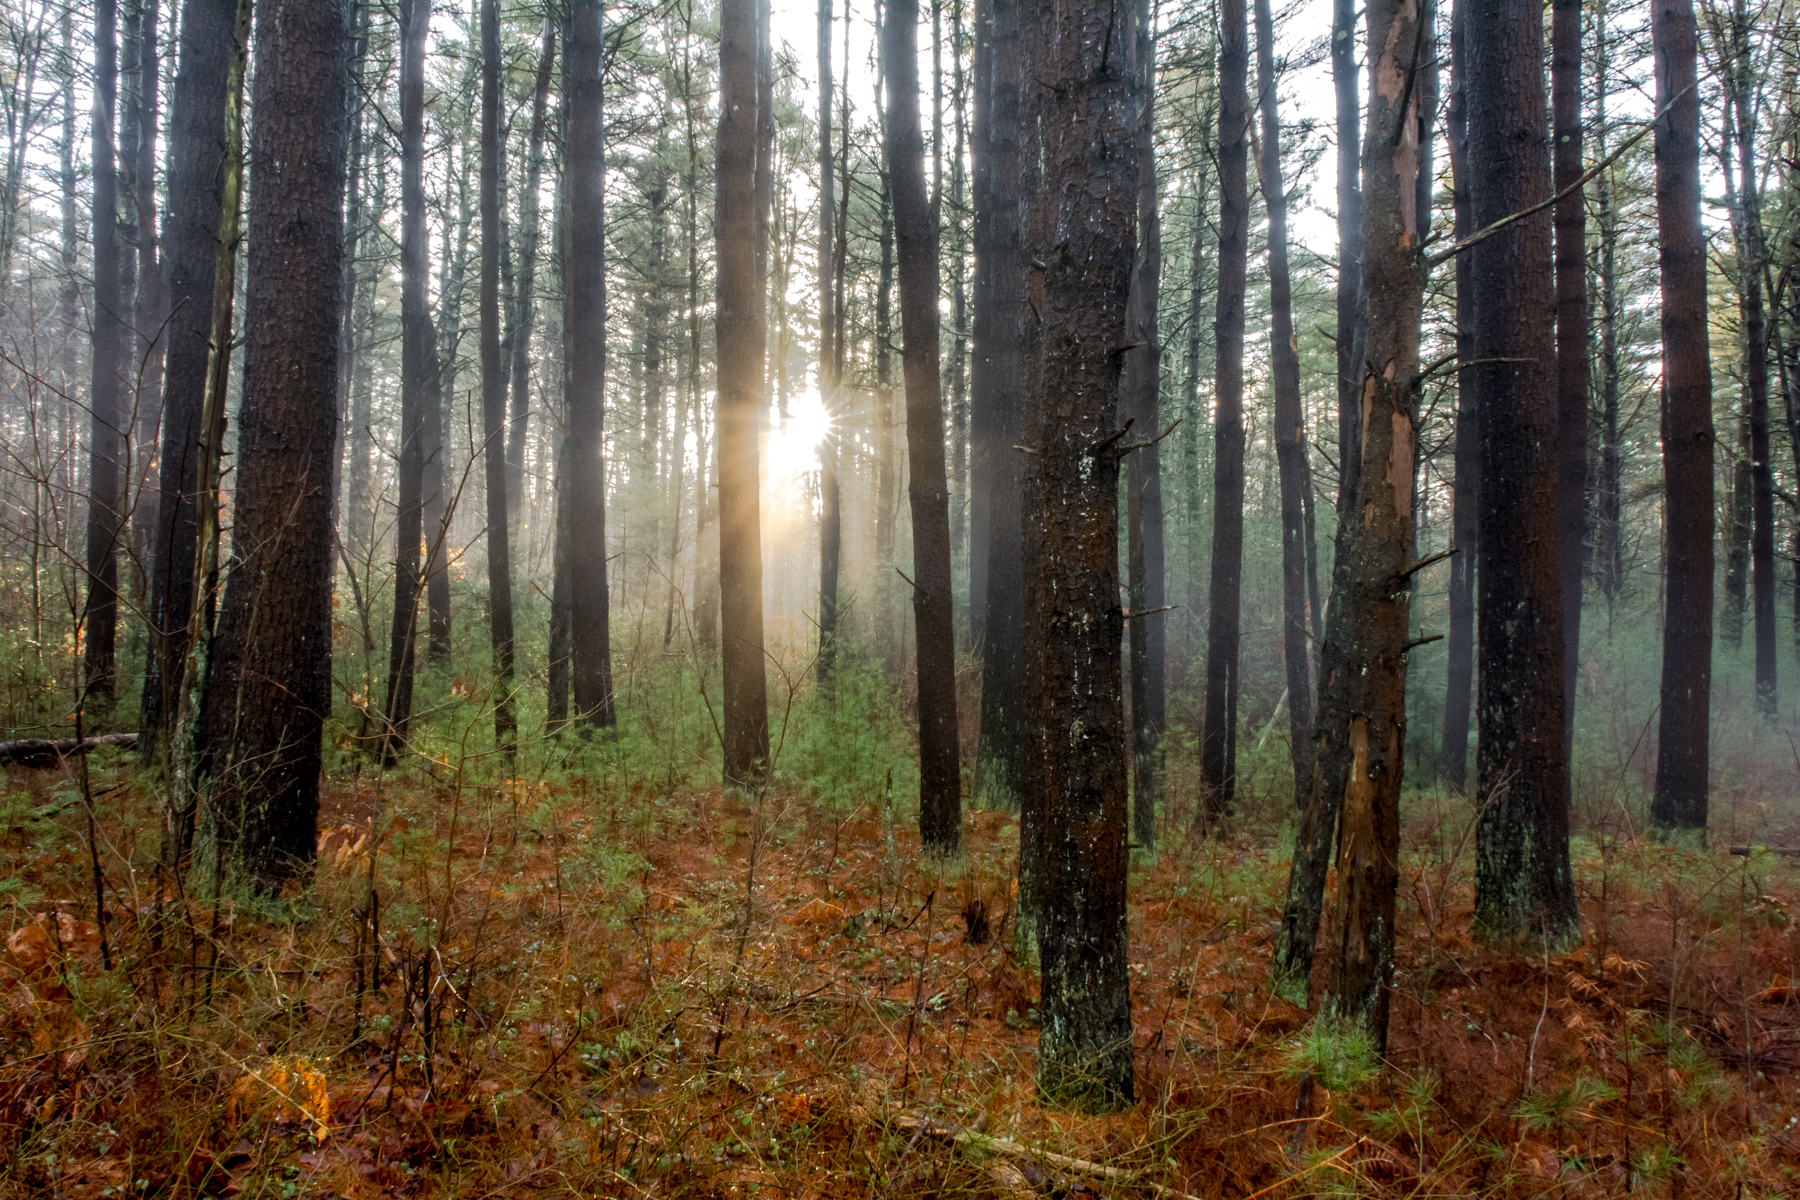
(969, 1139)
(1785, 851)
(51, 752)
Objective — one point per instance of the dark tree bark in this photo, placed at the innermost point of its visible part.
(934, 615)
(830, 385)
(191, 673)
(190, 235)
(138, 126)
(1572, 342)
(270, 689)
(493, 384)
(1609, 551)
(887, 459)
(417, 354)
(1218, 739)
(590, 657)
(1350, 247)
(1143, 469)
(740, 370)
(1290, 433)
(996, 407)
(1085, 108)
(525, 300)
(1679, 805)
(1524, 892)
(1756, 363)
(106, 394)
(1453, 755)
(1359, 736)
(959, 303)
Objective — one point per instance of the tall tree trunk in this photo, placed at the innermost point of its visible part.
(1572, 343)
(106, 436)
(417, 355)
(493, 384)
(440, 391)
(1350, 245)
(1465, 523)
(590, 660)
(996, 406)
(525, 297)
(1756, 364)
(1679, 805)
(934, 613)
(145, 360)
(1524, 892)
(740, 369)
(1609, 556)
(830, 386)
(1143, 469)
(1359, 736)
(1085, 107)
(1290, 434)
(270, 690)
(959, 302)
(190, 675)
(1218, 739)
(889, 625)
(191, 233)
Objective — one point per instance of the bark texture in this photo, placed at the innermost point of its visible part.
(1679, 806)
(740, 350)
(270, 688)
(1524, 892)
(1086, 110)
(590, 650)
(1218, 739)
(1572, 344)
(1290, 430)
(1143, 469)
(493, 385)
(190, 238)
(108, 419)
(915, 232)
(996, 407)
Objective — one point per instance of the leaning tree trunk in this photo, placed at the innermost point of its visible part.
(1290, 434)
(590, 650)
(934, 615)
(996, 407)
(415, 361)
(740, 371)
(1085, 107)
(1572, 345)
(493, 384)
(1524, 893)
(270, 690)
(190, 235)
(1218, 738)
(1679, 806)
(106, 436)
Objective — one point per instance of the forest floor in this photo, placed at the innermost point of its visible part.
(594, 989)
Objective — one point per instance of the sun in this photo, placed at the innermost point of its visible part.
(791, 451)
